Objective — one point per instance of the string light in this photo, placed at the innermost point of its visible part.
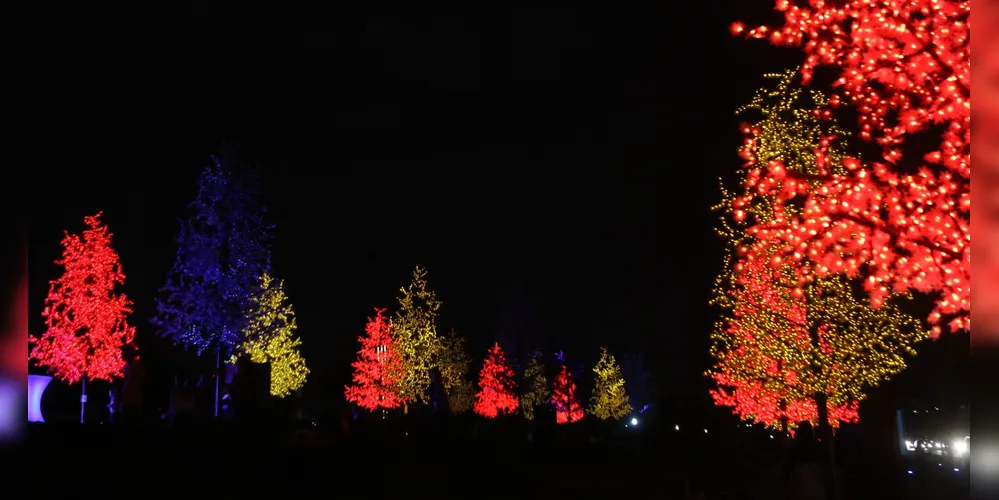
(535, 386)
(415, 333)
(270, 337)
(609, 399)
(567, 408)
(790, 333)
(222, 250)
(901, 223)
(497, 389)
(378, 367)
(86, 320)
(454, 365)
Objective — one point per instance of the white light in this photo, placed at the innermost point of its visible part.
(910, 446)
(956, 469)
(634, 421)
(910, 472)
(705, 431)
(960, 447)
(677, 427)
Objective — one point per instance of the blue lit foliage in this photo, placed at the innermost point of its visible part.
(223, 246)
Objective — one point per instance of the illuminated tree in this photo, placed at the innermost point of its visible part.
(901, 222)
(454, 366)
(497, 388)
(609, 399)
(534, 385)
(567, 408)
(794, 346)
(378, 368)
(270, 337)
(414, 331)
(86, 320)
(222, 250)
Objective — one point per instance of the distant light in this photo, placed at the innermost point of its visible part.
(677, 427)
(634, 421)
(771, 436)
(939, 465)
(705, 431)
(956, 469)
(910, 472)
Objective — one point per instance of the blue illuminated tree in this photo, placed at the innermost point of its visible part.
(223, 247)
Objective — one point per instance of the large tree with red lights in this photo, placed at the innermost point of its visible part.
(793, 344)
(497, 389)
(86, 320)
(567, 407)
(901, 221)
(378, 367)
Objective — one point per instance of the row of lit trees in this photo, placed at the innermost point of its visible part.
(397, 356)
(828, 238)
(220, 296)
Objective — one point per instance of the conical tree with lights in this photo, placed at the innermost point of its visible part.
(793, 345)
(609, 399)
(86, 319)
(378, 368)
(567, 407)
(898, 220)
(534, 386)
(270, 337)
(414, 331)
(454, 365)
(497, 389)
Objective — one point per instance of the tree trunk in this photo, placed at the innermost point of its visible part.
(218, 364)
(83, 398)
(826, 449)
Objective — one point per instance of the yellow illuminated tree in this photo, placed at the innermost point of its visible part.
(454, 365)
(535, 386)
(609, 399)
(793, 347)
(270, 337)
(415, 332)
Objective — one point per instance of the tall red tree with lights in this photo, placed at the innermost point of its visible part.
(378, 367)
(902, 221)
(497, 389)
(86, 320)
(567, 407)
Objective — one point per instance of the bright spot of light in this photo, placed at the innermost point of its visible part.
(634, 421)
(910, 472)
(956, 469)
(705, 431)
(960, 447)
(676, 427)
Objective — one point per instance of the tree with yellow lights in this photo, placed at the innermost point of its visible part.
(270, 337)
(535, 386)
(415, 333)
(609, 399)
(793, 346)
(454, 365)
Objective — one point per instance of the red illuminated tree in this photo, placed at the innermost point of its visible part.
(378, 367)
(567, 407)
(86, 321)
(900, 222)
(497, 389)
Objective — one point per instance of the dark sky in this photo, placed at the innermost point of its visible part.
(575, 152)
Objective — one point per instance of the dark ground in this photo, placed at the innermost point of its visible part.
(453, 459)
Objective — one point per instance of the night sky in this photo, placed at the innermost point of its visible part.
(570, 154)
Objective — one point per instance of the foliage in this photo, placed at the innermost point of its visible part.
(454, 365)
(222, 250)
(901, 222)
(497, 388)
(86, 320)
(378, 367)
(270, 337)
(414, 332)
(567, 408)
(609, 399)
(535, 386)
(791, 336)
